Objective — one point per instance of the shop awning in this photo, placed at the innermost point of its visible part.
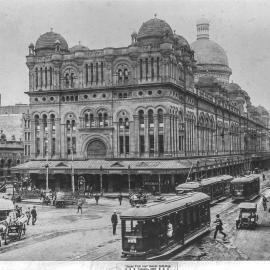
(96, 166)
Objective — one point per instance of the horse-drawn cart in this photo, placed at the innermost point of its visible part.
(11, 227)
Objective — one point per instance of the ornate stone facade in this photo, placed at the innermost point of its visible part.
(137, 102)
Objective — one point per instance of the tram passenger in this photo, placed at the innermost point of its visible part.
(219, 227)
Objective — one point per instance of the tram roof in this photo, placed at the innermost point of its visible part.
(204, 182)
(244, 179)
(247, 205)
(170, 205)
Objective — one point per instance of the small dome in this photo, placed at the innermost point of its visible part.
(154, 28)
(202, 21)
(46, 42)
(181, 41)
(79, 48)
(31, 45)
(234, 87)
(208, 52)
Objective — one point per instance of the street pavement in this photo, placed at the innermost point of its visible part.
(62, 234)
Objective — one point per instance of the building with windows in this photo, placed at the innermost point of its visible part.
(150, 114)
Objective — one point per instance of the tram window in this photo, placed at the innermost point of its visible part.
(204, 213)
(196, 216)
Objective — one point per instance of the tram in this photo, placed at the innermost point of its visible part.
(245, 188)
(216, 188)
(159, 228)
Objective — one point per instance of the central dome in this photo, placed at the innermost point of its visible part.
(210, 57)
(209, 52)
(154, 28)
(46, 42)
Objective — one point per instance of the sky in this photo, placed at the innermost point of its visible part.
(241, 27)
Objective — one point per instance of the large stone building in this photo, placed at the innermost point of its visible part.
(148, 114)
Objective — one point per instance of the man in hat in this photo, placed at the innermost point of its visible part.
(114, 221)
(34, 215)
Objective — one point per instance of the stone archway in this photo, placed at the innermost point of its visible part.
(96, 149)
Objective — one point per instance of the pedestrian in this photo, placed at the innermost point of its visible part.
(219, 227)
(263, 177)
(114, 221)
(80, 203)
(120, 198)
(28, 214)
(34, 215)
(96, 198)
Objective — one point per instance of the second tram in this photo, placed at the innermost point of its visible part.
(157, 229)
(216, 188)
(245, 188)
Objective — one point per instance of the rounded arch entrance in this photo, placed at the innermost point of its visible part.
(96, 148)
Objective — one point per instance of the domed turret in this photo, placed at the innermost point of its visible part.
(210, 57)
(46, 43)
(79, 48)
(154, 30)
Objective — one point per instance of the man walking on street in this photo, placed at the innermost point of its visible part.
(96, 198)
(80, 203)
(28, 214)
(219, 227)
(34, 215)
(114, 220)
(120, 198)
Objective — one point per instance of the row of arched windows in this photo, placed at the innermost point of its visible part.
(94, 73)
(43, 77)
(149, 68)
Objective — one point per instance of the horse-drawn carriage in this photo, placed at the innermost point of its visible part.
(11, 226)
(137, 197)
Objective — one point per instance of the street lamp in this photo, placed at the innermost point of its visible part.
(72, 159)
(101, 187)
(47, 163)
(129, 179)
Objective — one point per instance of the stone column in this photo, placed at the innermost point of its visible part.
(49, 145)
(135, 135)
(115, 143)
(42, 138)
(57, 138)
(146, 135)
(166, 134)
(132, 139)
(33, 139)
(156, 152)
(177, 135)
(63, 141)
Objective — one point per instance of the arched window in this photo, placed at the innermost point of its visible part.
(72, 79)
(91, 72)
(45, 123)
(126, 123)
(100, 120)
(53, 122)
(37, 125)
(106, 121)
(102, 75)
(125, 75)
(86, 74)
(51, 75)
(141, 118)
(92, 121)
(96, 73)
(46, 78)
(152, 68)
(160, 118)
(151, 118)
(120, 75)
(123, 136)
(41, 77)
(36, 77)
(86, 120)
(67, 80)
